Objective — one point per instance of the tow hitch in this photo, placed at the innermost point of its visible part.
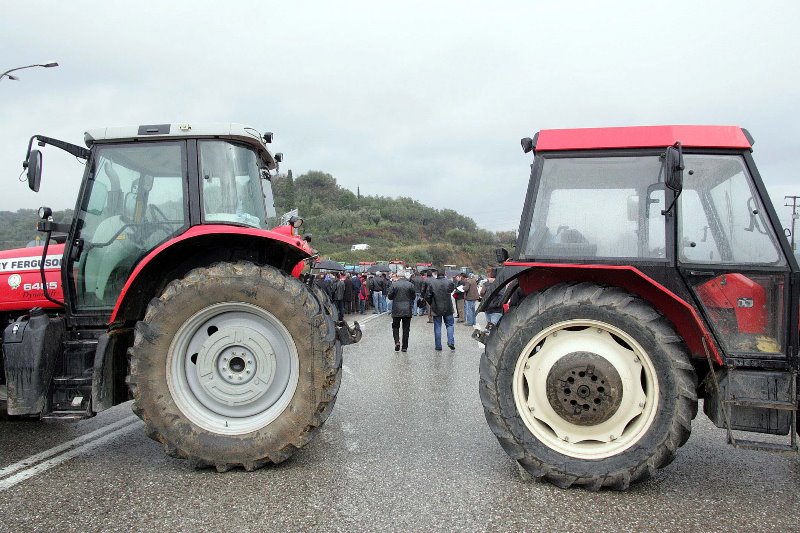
(482, 329)
(346, 334)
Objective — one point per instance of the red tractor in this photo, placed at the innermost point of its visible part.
(651, 271)
(174, 285)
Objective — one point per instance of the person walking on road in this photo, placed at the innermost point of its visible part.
(471, 296)
(438, 295)
(402, 295)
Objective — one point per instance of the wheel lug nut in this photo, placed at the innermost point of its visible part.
(641, 405)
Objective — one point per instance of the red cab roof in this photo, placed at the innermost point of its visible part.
(643, 137)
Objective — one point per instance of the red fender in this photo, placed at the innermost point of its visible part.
(685, 318)
(277, 234)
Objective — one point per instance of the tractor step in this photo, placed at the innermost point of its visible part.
(764, 404)
(66, 416)
(787, 384)
(761, 446)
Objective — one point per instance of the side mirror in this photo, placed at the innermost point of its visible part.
(673, 163)
(34, 164)
(279, 157)
(527, 144)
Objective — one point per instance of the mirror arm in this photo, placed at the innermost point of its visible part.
(75, 150)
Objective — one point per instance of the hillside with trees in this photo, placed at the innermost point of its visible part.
(400, 228)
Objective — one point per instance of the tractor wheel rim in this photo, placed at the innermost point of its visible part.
(610, 413)
(232, 368)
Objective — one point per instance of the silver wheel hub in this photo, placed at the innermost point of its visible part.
(232, 368)
(245, 365)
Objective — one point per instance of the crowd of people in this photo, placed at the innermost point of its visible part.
(445, 301)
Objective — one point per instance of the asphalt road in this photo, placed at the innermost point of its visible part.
(406, 448)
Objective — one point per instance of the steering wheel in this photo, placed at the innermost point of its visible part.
(157, 213)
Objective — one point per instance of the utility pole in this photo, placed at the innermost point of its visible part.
(795, 215)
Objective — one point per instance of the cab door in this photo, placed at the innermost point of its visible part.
(730, 255)
(134, 199)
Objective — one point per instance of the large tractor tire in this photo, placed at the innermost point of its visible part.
(588, 385)
(235, 365)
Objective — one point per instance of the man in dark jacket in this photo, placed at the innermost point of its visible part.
(438, 295)
(348, 293)
(378, 286)
(355, 281)
(458, 296)
(338, 295)
(402, 295)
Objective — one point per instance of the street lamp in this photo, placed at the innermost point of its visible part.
(9, 76)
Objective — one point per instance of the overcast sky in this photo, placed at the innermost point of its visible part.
(419, 99)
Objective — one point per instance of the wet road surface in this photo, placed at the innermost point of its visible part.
(406, 448)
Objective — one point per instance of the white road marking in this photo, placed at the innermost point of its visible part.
(368, 319)
(36, 464)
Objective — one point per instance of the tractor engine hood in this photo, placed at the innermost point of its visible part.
(21, 281)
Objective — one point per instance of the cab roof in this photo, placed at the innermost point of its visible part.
(732, 137)
(224, 130)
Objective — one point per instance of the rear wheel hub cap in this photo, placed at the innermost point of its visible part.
(584, 388)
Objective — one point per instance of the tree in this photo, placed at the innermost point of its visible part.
(290, 201)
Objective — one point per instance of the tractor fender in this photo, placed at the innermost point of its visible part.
(200, 246)
(533, 277)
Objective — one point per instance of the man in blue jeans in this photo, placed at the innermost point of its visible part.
(471, 297)
(437, 294)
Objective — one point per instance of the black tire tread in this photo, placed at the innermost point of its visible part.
(295, 291)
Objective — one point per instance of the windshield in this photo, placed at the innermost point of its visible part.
(598, 207)
(234, 189)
